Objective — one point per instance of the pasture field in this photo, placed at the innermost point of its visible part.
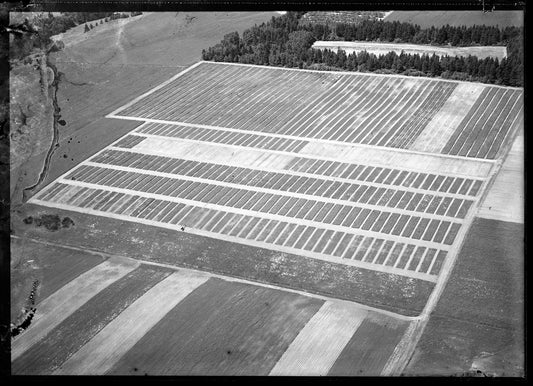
(151, 319)
(427, 19)
(349, 47)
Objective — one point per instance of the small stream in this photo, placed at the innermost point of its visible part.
(28, 191)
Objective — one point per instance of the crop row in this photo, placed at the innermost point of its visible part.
(309, 186)
(323, 211)
(316, 239)
(376, 174)
(129, 141)
(224, 137)
(381, 175)
(487, 127)
(354, 108)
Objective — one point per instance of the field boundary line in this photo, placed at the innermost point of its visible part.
(236, 279)
(362, 73)
(294, 251)
(307, 139)
(161, 85)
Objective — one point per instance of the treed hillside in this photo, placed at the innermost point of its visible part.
(40, 29)
(285, 41)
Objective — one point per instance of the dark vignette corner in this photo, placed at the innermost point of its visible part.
(199, 5)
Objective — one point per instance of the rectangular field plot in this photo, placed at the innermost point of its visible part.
(355, 108)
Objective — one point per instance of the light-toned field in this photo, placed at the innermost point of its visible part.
(427, 19)
(442, 126)
(350, 47)
(156, 320)
(155, 38)
(505, 198)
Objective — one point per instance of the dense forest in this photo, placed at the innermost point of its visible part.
(284, 41)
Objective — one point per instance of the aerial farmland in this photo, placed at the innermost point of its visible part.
(259, 220)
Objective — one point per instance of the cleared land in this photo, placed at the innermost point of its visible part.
(426, 19)
(349, 47)
(157, 321)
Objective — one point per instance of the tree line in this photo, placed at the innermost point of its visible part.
(377, 30)
(283, 41)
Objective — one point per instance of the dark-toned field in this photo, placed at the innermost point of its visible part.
(478, 322)
(427, 19)
(220, 329)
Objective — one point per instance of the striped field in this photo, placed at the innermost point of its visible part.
(135, 319)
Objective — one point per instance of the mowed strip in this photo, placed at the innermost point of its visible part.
(443, 124)
(65, 301)
(106, 348)
(320, 342)
(77, 329)
(221, 328)
(505, 199)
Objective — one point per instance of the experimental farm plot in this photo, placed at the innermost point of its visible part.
(377, 172)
